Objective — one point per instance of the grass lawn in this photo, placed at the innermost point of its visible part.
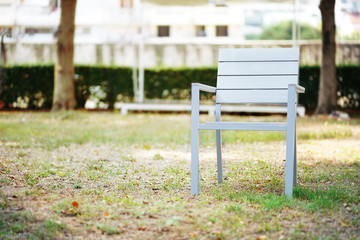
(100, 175)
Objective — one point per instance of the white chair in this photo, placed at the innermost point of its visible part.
(250, 76)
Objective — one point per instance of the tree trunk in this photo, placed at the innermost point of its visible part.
(328, 84)
(64, 87)
(2, 62)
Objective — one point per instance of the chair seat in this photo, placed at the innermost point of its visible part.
(251, 126)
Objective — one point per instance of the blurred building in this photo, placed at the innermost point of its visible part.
(348, 17)
(117, 20)
(110, 31)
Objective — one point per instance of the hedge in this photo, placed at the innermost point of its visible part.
(33, 85)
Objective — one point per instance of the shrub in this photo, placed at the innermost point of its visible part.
(32, 86)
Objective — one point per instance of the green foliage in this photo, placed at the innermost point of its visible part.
(283, 31)
(349, 85)
(353, 36)
(109, 230)
(115, 82)
(31, 87)
(269, 201)
(324, 198)
(33, 84)
(176, 83)
(24, 224)
(309, 78)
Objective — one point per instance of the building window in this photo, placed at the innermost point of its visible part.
(200, 31)
(222, 31)
(163, 31)
(32, 31)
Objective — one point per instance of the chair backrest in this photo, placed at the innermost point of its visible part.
(256, 75)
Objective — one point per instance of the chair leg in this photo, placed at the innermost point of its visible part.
(289, 171)
(290, 142)
(195, 161)
(218, 155)
(218, 143)
(295, 160)
(195, 96)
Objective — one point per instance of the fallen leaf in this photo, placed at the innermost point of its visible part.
(152, 216)
(75, 204)
(106, 214)
(141, 228)
(194, 235)
(343, 223)
(262, 237)
(147, 147)
(145, 202)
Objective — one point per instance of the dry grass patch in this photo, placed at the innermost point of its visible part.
(102, 175)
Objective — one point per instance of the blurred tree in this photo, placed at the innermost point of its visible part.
(283, 31)
(328, 84)
(64, 87)
(2, 62)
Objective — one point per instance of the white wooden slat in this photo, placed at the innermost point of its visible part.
(243, 126)
(257, 68)
(251, 96)
(237, 82)
(259, 54)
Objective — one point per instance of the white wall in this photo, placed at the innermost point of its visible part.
(169, 53)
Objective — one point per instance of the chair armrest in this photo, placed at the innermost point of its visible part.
(203, 87)
(298, 88)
